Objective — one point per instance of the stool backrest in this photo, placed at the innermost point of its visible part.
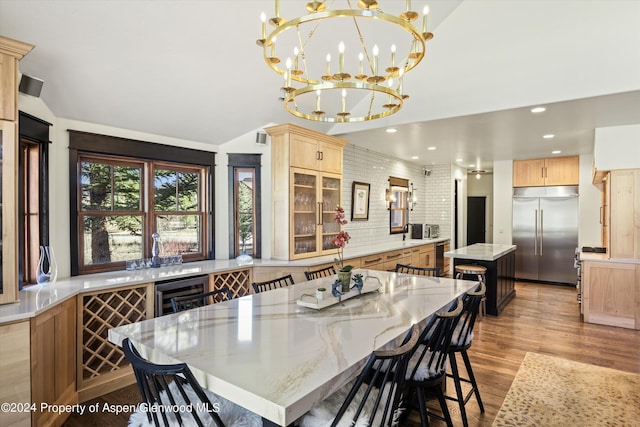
(193, 301)
(323, 272)
(462, 335)
(163, 386)
(419, 271)
(430, 357)
(280, 282)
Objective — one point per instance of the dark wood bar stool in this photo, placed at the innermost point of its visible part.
(481, 273)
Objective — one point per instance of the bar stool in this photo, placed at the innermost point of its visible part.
(474, 270)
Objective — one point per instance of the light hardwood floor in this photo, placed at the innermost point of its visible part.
(543, 319)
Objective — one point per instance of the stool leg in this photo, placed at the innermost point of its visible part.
(472, 379)
(456, 381)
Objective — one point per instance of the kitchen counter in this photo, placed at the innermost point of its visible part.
(592, 256)
(500, 262)
(610, 290)
(481, 251)
(36, 299)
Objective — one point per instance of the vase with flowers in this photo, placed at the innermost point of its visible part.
(340, 241)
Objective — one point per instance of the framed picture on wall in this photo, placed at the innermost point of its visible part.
(360, 201)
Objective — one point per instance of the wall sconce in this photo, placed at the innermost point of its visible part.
(389, 198)
(413, 198)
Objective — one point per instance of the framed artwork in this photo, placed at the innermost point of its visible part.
(360, 201)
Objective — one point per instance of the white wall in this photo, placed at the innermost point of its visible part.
(59, 214)
(433, 194)
(502, 201)
(589, 233)
(617, 147)
(243, 144)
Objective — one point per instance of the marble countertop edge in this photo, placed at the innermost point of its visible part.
(36, 299)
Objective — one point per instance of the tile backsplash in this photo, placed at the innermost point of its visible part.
(434, 194)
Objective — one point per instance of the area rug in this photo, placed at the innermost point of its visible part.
(549, 391)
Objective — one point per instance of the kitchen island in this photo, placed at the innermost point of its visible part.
(271, 355)
(500, 262)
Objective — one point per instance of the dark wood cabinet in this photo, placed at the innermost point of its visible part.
(500, 280)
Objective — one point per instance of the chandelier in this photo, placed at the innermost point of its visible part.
(344, 65)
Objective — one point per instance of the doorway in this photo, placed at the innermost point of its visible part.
(476, 219)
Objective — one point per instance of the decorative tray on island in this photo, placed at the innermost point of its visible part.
(371, 284)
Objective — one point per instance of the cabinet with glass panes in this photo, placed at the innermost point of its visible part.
(304, 198)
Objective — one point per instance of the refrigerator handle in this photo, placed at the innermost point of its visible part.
(535, 237)
(541, 230)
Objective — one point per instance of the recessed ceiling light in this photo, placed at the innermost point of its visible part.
(392, 130)
(459, 160)
(414, 157)
(556, 152)
(472, 166)
(431, 148)
(548, 136)
(538, 110)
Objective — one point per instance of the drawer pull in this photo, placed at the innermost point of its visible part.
(393, 256)
(370, 261)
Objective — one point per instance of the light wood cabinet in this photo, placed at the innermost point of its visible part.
(372, 262)
(101, 365)
(605, 212)
(314, 197)
(53, 357)
(624, 206)
(306, 186)
(611, 293)
(15, 381)
(395, 257)
(308, 152)
(11, 51)
(546, 172)
(447, 260)
(8, 85)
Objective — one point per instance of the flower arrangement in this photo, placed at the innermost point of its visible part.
(341, 240)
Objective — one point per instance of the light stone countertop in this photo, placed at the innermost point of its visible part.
(481, 251)
(36, 299)
(592, 256)
(276, 358)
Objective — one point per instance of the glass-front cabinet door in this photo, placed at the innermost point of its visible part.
(330, 200)
(305, 213)
(314, 198)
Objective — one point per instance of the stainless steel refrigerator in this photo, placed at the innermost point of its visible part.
(545, 231)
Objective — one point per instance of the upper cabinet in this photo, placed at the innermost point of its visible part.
(546, 172)
(318, 154)
(306, 186)
(11, 51)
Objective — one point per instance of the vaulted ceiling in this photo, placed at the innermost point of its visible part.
(192, 70)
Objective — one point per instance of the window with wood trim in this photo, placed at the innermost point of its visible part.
(33, 195)
(123, 190)
(398, 204)
(122, 201)
(244, 202)
(30, 192)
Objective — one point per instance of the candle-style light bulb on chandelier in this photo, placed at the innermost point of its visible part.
(332, 59)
